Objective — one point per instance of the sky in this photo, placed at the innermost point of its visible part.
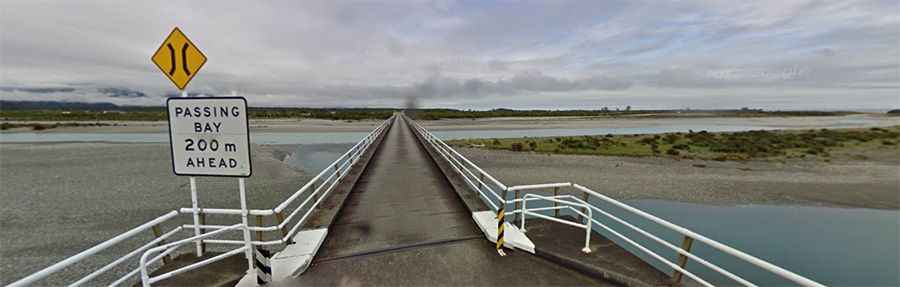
(699, 54)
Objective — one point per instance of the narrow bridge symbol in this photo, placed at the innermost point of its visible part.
(184, 66)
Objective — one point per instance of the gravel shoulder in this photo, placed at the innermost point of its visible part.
(57, 199)
(844, 182)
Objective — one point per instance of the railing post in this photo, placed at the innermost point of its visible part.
(157, 232)
(522, 211)
(480, 181)
(284, 231)
(259, 223)
(518, 204)
(503, 202)
(585, 196)
(682, 260)
(555, 204)
(202, 222)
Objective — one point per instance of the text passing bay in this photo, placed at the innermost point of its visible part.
(209, 136)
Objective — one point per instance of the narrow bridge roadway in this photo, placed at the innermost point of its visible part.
(404, 225)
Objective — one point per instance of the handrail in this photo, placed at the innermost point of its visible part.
(332, 174)
(578, 202)
(30, 279)
(464, 167)
(712, 243)
(456, 159)
(145, 276)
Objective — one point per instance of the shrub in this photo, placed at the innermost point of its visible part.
(649, 141)
(887, 142)
(671, 138)
(516, 147)
(495, 142)
(681, 147)
(672, 151)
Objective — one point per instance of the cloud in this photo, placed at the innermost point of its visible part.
(461, 53)
(121, 93)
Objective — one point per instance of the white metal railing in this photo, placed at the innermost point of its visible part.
(495, 194)
(317, 188)
(168, 248)
(572, 201)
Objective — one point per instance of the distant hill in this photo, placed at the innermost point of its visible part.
(56, 105)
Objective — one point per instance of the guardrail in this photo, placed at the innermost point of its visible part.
(318, 188)
(494, 193)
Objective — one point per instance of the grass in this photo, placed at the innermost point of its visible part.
(704, 145)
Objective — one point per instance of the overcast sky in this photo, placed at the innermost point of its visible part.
(777, 54)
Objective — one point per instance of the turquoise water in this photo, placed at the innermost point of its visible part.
(834, 246)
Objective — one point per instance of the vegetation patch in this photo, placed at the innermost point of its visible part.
(731, 146)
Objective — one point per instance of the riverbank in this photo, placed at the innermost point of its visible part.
(844, 182)
(858, 143)
(57, 199)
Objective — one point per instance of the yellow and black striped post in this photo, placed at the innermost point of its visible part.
(501, 215)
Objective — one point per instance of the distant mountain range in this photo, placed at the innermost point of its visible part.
(56, 105)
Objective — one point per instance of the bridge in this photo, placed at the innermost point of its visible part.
(403, 208)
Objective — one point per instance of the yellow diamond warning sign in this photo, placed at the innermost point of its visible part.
(179, 58)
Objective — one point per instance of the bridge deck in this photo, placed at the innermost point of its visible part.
(404, 225)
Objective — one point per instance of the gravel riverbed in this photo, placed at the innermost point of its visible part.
(61, 198)
(873, 183)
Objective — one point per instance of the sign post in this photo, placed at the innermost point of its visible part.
(208, 136)
(211, 137)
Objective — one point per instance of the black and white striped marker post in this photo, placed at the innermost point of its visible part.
(263, 266)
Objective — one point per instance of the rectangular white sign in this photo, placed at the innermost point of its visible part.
(209, 136)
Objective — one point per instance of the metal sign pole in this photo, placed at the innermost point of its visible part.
(195, 205)
(247, 240)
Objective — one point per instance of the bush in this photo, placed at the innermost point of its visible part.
(671, 138)
(495, 142)
(672, 151)
(649, 141)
